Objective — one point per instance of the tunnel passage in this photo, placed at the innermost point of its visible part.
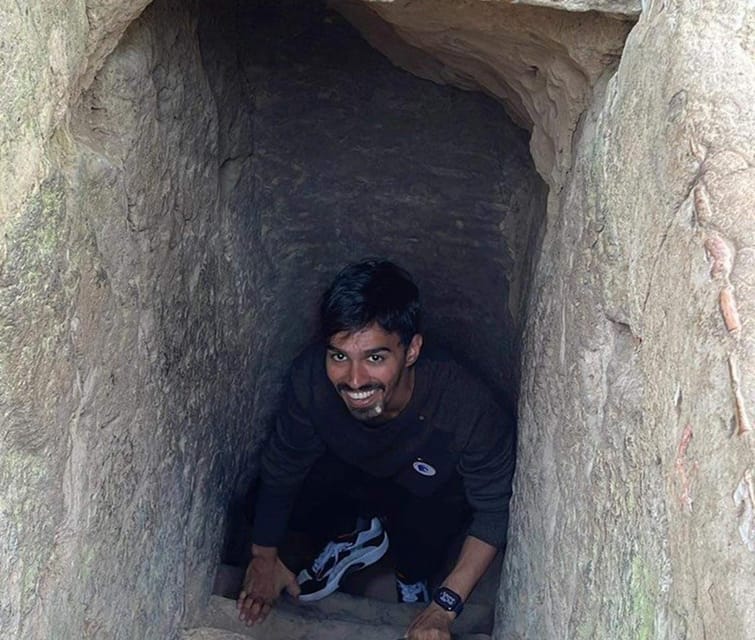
(229, 163)
(339, 155)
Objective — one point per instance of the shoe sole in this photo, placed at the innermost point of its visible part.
(369, 558)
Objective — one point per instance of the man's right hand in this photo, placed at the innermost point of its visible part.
(266, 576)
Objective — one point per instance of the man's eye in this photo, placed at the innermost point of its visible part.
(337, 357)
(375, 357)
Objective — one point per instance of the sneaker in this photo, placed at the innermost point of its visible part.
(410, 592)
(340, 557)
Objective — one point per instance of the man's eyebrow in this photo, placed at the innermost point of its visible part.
(330, 347)
(377, 350)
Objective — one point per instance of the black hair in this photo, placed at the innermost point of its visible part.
(371, 291)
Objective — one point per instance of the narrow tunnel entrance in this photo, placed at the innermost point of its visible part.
(329, 153)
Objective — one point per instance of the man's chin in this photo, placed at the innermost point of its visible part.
(367, 414)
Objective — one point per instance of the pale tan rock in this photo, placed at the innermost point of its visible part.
(617, 7)
(644, 400)
(541, 63)
(338, 617)
(52, 51)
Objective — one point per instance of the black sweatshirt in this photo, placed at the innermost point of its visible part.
(452, 425)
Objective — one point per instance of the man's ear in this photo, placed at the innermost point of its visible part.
(412, 351)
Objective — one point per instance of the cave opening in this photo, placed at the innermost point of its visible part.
(337, 154)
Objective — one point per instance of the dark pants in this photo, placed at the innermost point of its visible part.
(420, 530)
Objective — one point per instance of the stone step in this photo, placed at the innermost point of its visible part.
(208, 633)
(338, 617)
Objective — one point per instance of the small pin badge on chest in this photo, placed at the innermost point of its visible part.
(422, 468)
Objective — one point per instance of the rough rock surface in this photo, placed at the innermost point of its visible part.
(540, 62)
(139, 261)
(49, 51)
(123, 354)
(633, 514)
(338, 617)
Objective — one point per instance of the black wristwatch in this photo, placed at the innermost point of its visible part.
(448, 600)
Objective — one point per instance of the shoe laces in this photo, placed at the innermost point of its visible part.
(331, 550)
(413, 591)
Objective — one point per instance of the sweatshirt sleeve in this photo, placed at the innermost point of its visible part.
(487, 467)
(292, 449)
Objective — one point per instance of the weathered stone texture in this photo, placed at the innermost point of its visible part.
(338, 617)
(127, 329)
(625, 523)
(48, 53)
(541, 63)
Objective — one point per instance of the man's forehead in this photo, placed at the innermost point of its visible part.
(371, 338)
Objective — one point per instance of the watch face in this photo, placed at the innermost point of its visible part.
(449, 600)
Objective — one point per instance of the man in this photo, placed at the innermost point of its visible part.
(369, 428)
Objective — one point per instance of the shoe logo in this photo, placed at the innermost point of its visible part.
(423, 468)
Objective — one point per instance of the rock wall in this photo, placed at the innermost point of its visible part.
(633, 514)
(125, 352)
(50, 51)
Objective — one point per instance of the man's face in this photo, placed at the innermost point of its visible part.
(370, 370)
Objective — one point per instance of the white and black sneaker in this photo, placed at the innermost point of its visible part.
(411, 592)
(344, 555)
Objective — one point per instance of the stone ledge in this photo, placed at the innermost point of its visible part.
(337, 617)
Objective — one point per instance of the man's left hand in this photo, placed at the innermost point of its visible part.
(433, 623)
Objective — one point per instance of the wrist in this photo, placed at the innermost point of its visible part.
(266, 553)
(449, 615)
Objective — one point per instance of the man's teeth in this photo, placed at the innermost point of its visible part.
(360, 395)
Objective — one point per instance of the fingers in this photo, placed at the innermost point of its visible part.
(428, 634)
(430, 624)
(252, 610)
(257, 611)
(293, 588)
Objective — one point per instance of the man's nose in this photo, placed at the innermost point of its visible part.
(357, 375)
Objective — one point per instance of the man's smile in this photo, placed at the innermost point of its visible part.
(359, 396)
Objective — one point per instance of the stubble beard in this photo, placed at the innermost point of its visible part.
(368, 414)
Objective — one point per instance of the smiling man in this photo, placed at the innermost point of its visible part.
(381, 442)
(372, 371)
